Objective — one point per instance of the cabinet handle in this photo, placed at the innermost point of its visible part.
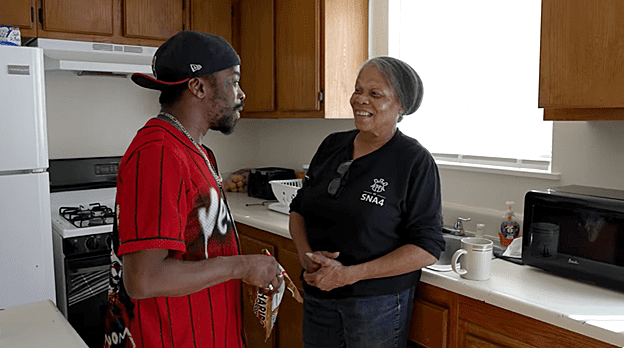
(320, 96)
(32, 14)
(41, 16)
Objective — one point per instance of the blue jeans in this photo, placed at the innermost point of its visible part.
(358, 322)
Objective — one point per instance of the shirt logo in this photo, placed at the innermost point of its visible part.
(379, 185)
(214, 219)
(195, 67)
(374, 197)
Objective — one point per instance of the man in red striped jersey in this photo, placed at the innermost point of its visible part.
(176, 265)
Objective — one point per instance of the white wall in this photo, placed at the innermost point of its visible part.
(98, 116)
(93, 116)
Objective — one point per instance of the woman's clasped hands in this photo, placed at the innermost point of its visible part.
(325, 272)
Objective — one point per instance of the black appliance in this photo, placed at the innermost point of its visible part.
(82, 199)
(258, 185)
(577, 232)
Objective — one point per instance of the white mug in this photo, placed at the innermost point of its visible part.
(477, 256)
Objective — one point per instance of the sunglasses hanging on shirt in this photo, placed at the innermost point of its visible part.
(335, 186)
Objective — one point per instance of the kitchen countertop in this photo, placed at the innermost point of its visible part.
(37, 324)
(573, 305)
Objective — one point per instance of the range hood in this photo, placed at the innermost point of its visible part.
(95, 57)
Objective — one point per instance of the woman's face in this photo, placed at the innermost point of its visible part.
(376, 107)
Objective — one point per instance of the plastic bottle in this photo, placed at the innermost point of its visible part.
(510, 229)
(304, 170)
(480, 230)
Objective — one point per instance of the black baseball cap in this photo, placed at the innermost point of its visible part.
(185, 55)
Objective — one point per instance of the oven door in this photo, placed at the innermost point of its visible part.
(87, 293)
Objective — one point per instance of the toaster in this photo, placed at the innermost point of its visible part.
(258, 183)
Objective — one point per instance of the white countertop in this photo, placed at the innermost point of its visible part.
(257, 215)
(579, 307)
(37, 324)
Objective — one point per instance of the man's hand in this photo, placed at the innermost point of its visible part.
(263, 272)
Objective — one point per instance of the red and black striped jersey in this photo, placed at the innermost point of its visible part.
(168, 199)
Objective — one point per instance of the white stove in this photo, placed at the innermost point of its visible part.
(82, 202)
(100, 202)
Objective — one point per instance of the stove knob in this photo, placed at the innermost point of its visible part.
(92, 243)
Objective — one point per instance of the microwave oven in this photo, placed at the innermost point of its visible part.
(576, 232)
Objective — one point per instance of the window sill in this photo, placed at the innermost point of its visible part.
(481, 168)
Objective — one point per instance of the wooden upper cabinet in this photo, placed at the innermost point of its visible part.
(300, 58)
(582, 44)
(21, 14)
(346, 49)
(298, 55)
(130, 22)
(213, 17)
(257, 52)
(93, 17)
(153, 19)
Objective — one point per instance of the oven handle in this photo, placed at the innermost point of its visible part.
(88, 264)
(85, 270)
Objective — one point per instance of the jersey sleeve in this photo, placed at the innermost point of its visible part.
(150, 200)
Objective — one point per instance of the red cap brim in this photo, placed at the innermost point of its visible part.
(147, 81)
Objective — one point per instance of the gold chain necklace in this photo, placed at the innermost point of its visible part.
(174, 121)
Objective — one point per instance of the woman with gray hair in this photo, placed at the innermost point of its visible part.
(368, 217)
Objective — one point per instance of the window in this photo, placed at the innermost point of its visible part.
(479, 62)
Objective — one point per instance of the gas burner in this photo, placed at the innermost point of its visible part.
(95, 215)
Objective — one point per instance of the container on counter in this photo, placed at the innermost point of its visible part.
(509, 229)
(480, 230)
(259, 178)
(10, 36)
(304, 170)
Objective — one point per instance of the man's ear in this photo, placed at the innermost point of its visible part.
(198, 87)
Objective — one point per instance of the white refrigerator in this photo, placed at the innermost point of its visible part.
(26, 260)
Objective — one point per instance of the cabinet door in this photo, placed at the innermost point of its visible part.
(482, 322)
(93, 17)
(290, 316)
(254, 331)
(298, 54)
(474, 336)
(429, 324)
(580, 65)
(257, 30)
(213, 17)
(20, 13)
(152, 19)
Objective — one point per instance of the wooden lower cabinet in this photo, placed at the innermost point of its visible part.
(441, 318)
(253, 330)
(446, 319)
(475, 336)
(287, 331)
(432, 317)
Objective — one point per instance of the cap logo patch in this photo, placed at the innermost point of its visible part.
(195, 67)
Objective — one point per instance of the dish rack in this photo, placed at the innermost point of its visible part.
(284, 191)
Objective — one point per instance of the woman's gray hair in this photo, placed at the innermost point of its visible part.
(404, 80)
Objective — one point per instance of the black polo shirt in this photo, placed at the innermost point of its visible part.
(389, 198)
